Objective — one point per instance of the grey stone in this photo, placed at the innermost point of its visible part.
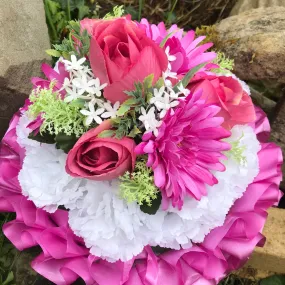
(256, 41)
(24, 33)
(245, 5)
(263, 102)
(24, 39)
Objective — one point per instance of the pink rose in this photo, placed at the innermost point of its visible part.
(100, 158)
(226, 92)
(121, 54)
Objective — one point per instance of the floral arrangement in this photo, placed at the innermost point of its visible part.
(140, 159)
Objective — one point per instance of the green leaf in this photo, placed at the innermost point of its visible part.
(106, 134)
(130, 102)
(80, 103)
(147, 83)
(53, 52)
(163, 42)
(135, 131)
(43, 137)
(83, 11)
(151, 210)
(65, 142)
(186, 79)
(148, 96)
(273, 280)
(53, 6)
(9, 278)
(123, 109)
(159, 83)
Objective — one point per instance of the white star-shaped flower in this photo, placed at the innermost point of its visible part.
(158, 95)
(84, 85)
(169, 57)
(149, 120)
(97, 101)
(98, 87)
(74, 64)
(164, 100)
(71, 94)
(92, 114)
(66, 83)
(168, 74)
(111, 111)
(167, 104)
(183, 90)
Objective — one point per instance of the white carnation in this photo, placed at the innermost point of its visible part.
(43, 177)
(116, 230)
(113, 229)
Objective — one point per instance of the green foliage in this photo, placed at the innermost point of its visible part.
(118, 11)
(139, 186)
(42, 137)
(211, 35)
(273, 280)
(127, 124)
(236, 280)
(60, 12)
(123, 126)
(8, 254)
(188, 76)
(226, 64)
(65, 142)
(59, 116)
(152, 209)
(69, 46)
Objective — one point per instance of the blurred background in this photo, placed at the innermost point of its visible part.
(251, 32)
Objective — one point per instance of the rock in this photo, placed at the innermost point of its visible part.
(263, 102)
(23, 32)
(278, 132)
(256, 41)
(245, 5)
(24, 39)
(271, 257)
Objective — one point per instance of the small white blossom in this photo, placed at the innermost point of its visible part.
(149, 120)
(168, 74)
(84, 85)
(158, 95)
(98, 87)
(74, 64)
(111, 111)
(183, 90)
(66, 83)
(92, 114)
(164, 100)
(97, 101)
(72, 94)
(169, 57)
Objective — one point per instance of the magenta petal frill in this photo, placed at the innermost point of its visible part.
(65, 258)
(188, 51)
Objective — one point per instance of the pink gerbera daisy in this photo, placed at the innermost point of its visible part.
(187, 148)
(184, 47)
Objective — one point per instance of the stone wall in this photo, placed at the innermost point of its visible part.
(24, 39)
(245, 5)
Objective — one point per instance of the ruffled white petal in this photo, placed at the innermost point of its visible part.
(116, 230)
(43, 177)
(113, 229)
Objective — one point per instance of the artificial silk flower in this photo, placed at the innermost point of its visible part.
(121, 55)
(187, 148)
(109, 166)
